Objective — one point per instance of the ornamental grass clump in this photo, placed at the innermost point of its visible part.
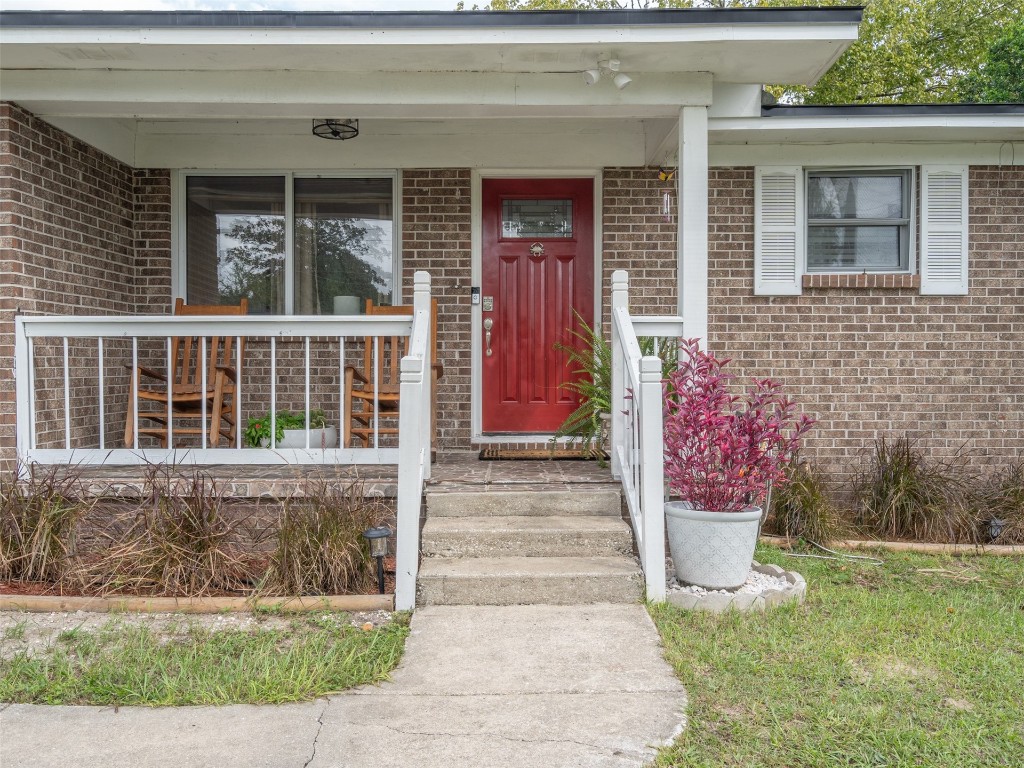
(723, 451)
(803, 507)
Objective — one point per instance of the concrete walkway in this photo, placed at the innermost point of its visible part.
(479, 686)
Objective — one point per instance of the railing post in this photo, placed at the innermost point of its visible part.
(410, 489)
(620, 300)
(652, 486)
(23, 395)
(421, 304)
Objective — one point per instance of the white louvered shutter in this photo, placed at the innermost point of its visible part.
(944, 230)
(778, 230)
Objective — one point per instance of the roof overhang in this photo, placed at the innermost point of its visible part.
(466, 64)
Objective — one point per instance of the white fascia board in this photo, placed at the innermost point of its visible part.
(866, 153)
(810, 125)
(474, 36)
(168, 94)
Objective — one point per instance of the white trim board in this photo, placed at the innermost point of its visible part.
(476, 275)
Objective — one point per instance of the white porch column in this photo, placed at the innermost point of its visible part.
(692, 256)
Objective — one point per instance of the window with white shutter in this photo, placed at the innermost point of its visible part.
(779, 227)
(944, 230)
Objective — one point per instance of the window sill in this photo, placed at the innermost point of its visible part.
(861, 280)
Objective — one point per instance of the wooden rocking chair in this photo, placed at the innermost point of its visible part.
(362, 405)
(187, 390)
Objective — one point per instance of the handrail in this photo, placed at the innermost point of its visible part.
(414, 444)
(637, 437)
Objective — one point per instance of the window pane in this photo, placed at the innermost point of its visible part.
(855, 197)
(536, 218)
(344, 243)
(855, 248)
(235, 241)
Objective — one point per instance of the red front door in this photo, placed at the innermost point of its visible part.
(538, 266)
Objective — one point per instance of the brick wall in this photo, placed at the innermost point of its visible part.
(436, 237)
(868, 361)
(80, 233)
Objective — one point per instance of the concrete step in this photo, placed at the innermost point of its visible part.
(526, 536)
(606, 502)
(529, 580)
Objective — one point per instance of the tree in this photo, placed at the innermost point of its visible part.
(909, 51)
(1001, 78)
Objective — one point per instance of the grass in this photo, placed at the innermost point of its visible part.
(121, 664)
(919, 662)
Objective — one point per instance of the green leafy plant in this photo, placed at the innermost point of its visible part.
(257, 431)
(39, 521)
(803, 507)
(902, 495)
(320, 545)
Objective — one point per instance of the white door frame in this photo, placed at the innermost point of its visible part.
(476, 276)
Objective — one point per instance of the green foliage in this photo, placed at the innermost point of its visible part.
(124, 665)
(320, 547)
(590, 358)
(914, 663)
(1001, 76)
(902, 495)
(803, 507)
(257, 431)
(38, 526)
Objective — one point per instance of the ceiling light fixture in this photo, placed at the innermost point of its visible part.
(621, 80)
(591, 76)
(336, 129)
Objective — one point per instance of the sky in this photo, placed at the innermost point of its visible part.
(231, 5)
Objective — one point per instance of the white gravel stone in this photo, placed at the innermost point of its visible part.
(756, 584)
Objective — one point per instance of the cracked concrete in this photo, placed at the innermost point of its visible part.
(518, 686)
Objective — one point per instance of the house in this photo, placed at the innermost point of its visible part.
(870, 257)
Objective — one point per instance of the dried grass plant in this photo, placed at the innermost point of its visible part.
(178, 541)
(320, 548)
(804, 507)
(39, 521)
(903, 495)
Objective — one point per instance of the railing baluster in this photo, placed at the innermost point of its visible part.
(32, 393)
(273, 392)
(204, 384)
(67, 399)
(135, 391)
(342, 409)
(238, 392)
(99, 370)
(376, 392)
(307, 393)
(170, 394)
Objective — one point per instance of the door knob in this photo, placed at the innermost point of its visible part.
(488, 324)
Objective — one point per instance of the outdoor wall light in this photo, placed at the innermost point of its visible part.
(378, 540)
(610, 68)
(336, 129)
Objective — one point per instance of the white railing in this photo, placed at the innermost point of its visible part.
(637, 447)
(414, 428)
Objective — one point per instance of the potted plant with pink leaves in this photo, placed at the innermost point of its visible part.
(723, 452)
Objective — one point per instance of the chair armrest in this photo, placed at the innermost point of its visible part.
(357, 374)
(229, 372)
(438, 369)
(148, 372)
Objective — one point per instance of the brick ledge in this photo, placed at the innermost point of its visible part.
(851, 280)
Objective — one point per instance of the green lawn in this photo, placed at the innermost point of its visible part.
(919, 662)
(310, 656)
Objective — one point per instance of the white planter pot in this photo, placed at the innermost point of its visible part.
(327, 437)
(713, 550)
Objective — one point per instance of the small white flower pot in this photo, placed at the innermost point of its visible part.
(713, 550)
(326, 437)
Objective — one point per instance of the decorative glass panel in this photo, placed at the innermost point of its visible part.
(235, 241)
(855, 197)
(536, 218)
(344, 242)
(855, 248)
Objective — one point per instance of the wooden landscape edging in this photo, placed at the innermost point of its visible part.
(923, 548)
(52, 603)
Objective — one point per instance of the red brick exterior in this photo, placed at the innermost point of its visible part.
(80, 233)
(872, 360)
(436, 218)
